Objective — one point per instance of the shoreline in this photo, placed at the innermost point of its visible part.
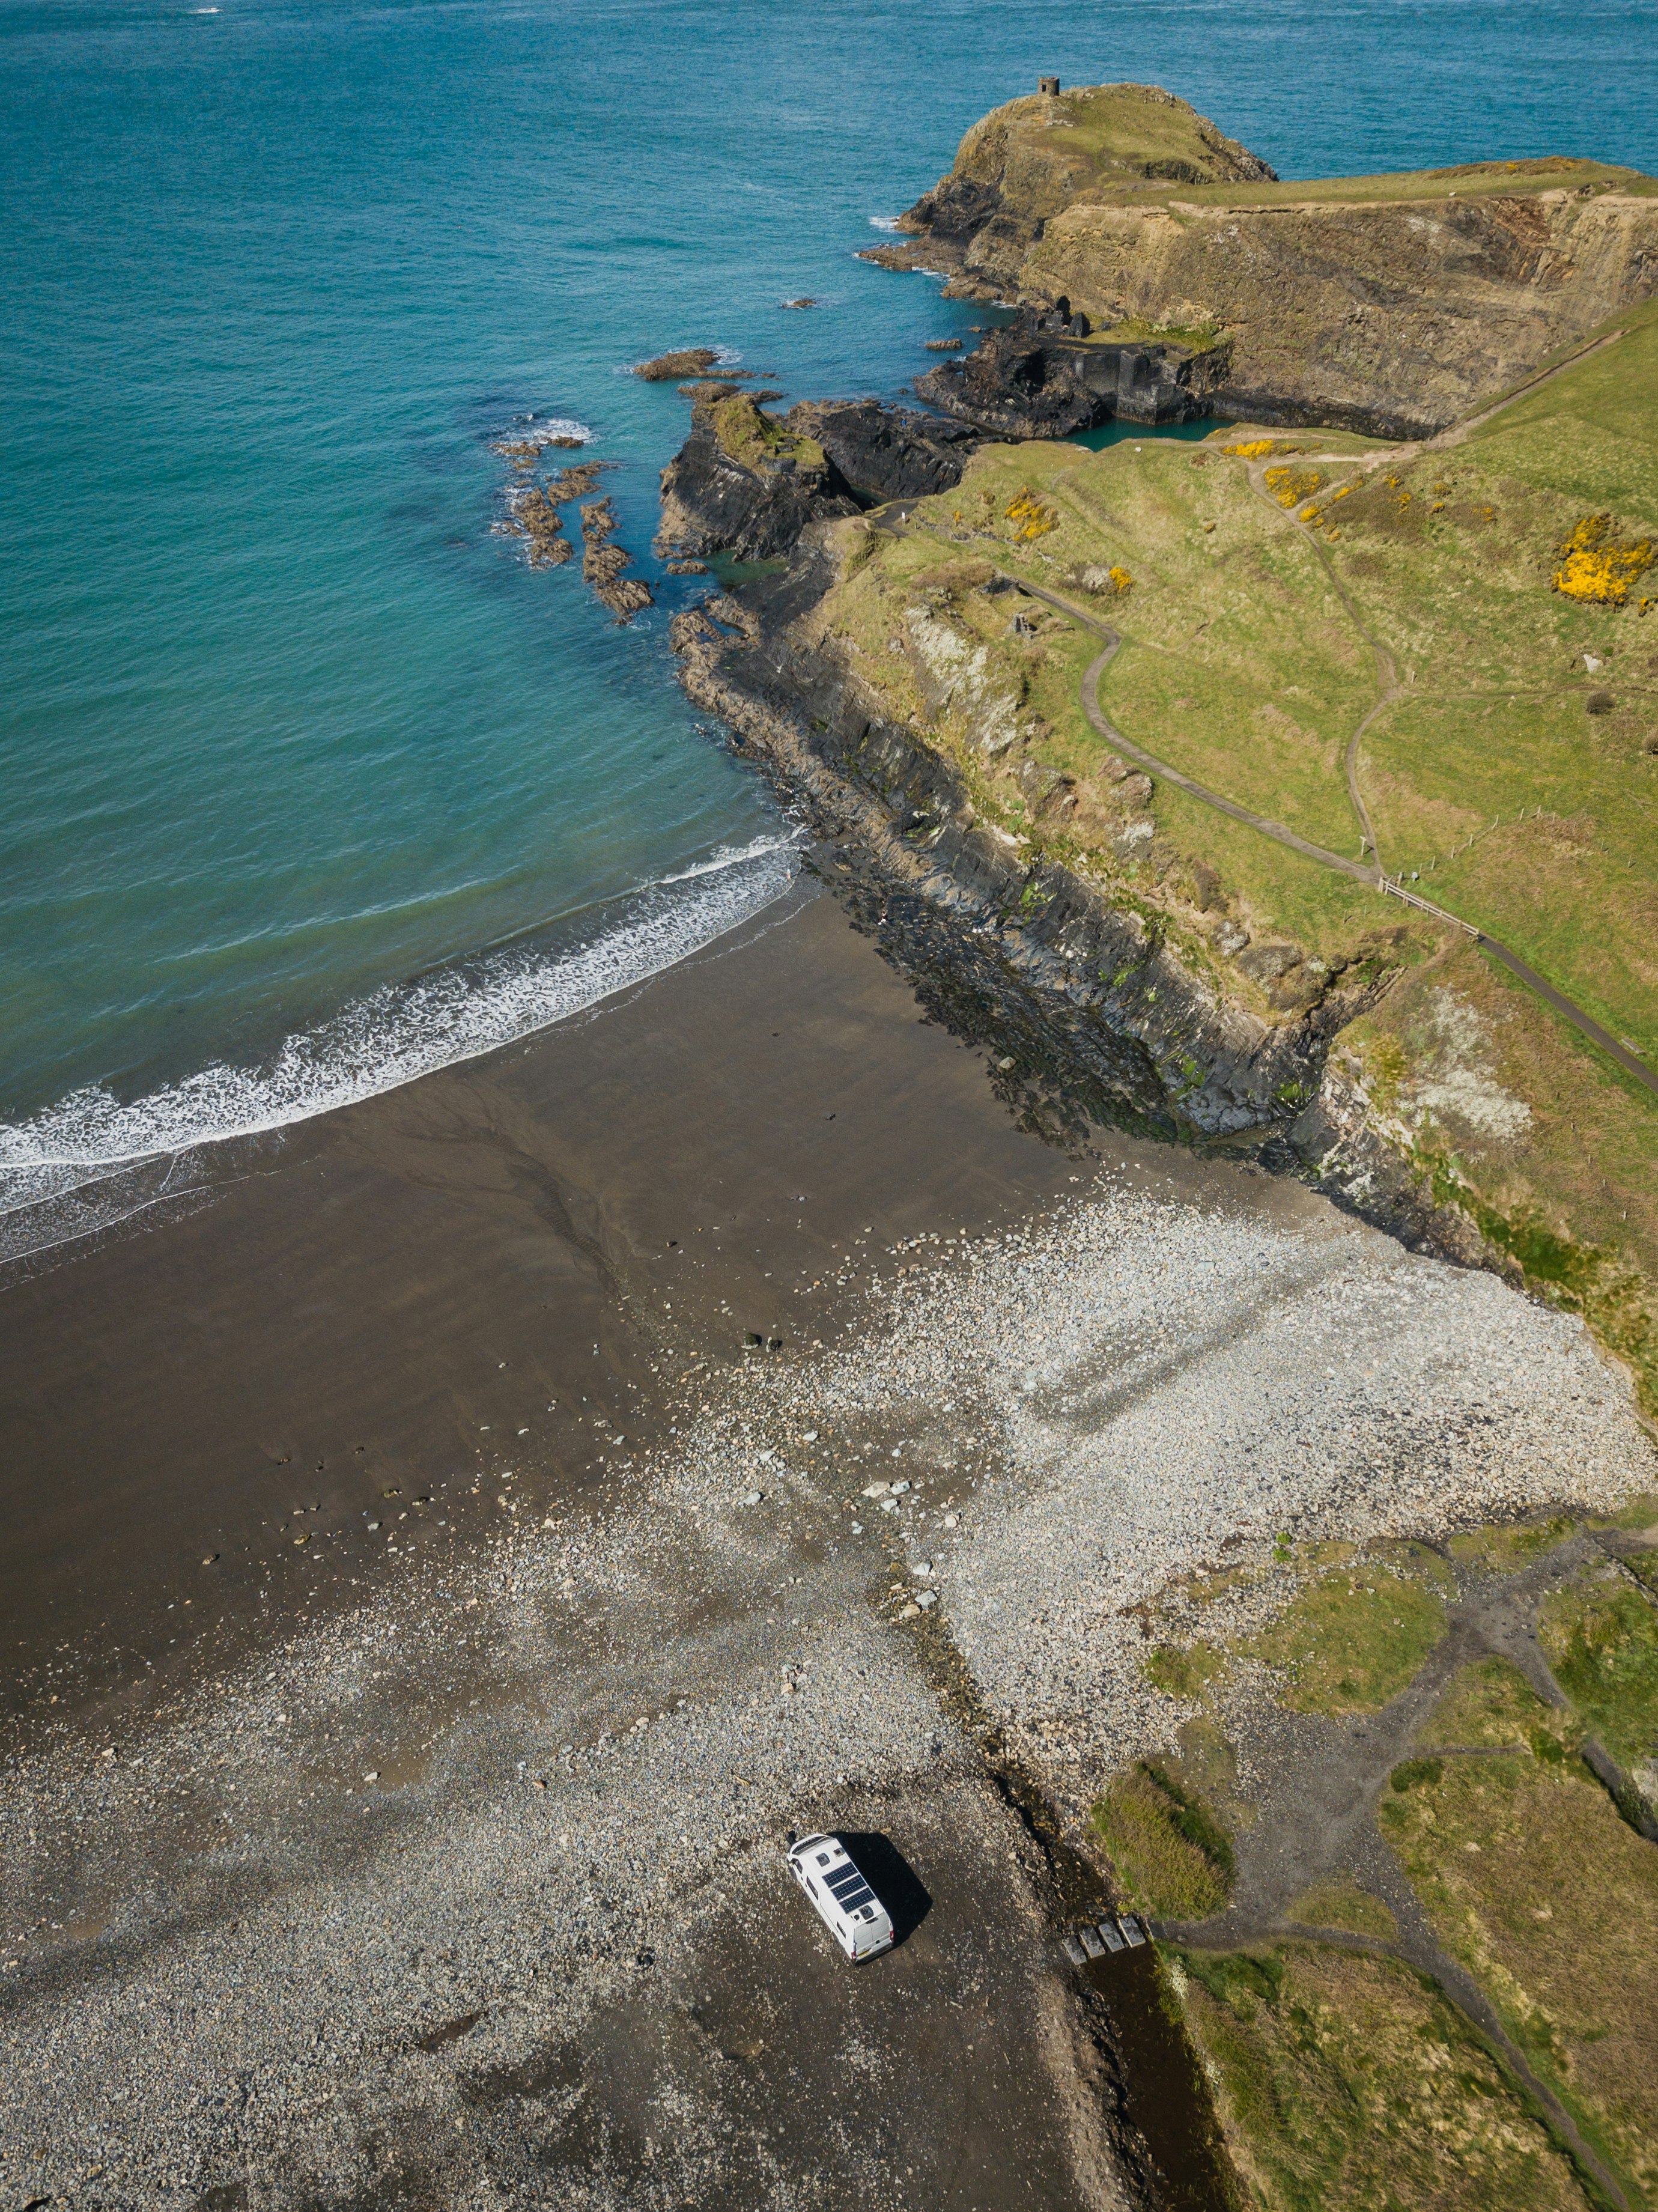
(548, 1165)
(490, 1831)
(299, 1082)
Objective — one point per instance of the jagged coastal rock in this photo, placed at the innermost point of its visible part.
(748, 482)
(602, 563)
(1094, 1014)
(690, 361)
(1387, 304)
(1048, 376)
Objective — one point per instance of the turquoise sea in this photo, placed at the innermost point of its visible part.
(307, 781)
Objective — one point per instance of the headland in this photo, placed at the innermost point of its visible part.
(1113, 1381)
(1286, 796)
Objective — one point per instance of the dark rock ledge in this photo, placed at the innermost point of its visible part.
(1091, 1015)
(747, 482)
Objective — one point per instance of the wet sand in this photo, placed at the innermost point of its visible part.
(485, 1293)
(469, 1275)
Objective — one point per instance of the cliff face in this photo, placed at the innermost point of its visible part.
(748, 482)
(1392, 319)
(1093, 1012)
(1045, 378)
(1390, 304)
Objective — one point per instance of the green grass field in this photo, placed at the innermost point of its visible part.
(1345, 2081)
(1508, 757)
(1349, 2080)
(1537, 1885)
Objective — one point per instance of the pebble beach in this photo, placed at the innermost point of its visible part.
(524, 1916)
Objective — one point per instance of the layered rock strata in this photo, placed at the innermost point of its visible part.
(1389, 304)
(1046, 376)
(1093, 1016)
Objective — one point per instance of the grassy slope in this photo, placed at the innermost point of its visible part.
(1346, 2081)
(1535, 1884)
(1481, 179)
(1488, 777)
(1111, 132)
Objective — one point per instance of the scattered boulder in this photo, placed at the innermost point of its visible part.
(1266, 964)
(1206, 887)
(1040, 785)
(693, 360)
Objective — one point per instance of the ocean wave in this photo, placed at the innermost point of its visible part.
(539, 431)
(50, 1162)
(883, 222)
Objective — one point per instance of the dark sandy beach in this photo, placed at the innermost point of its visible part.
(469, 1275)
(434, 1859)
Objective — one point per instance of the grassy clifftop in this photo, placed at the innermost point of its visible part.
(1401, 300)
(1274, 603)
(1042, 152)
(1489, 1840)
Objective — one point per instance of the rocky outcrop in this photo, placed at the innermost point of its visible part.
(1025, 163)
(667, 368)
(1093, 1014)
(603, 564)
(884, 453)
(1046, 377)
(747, 482)
(1390, 305)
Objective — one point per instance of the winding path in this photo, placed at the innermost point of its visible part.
(892, 519)
(1361, 872)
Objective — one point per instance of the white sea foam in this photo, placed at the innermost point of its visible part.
(54, 1166)
(883, 222)
(540, 431)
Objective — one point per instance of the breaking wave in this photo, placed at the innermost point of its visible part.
(92, 1159)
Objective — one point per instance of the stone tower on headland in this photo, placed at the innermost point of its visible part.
(1048, 84)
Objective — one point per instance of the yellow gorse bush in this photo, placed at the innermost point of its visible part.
(1596, 568)
(1121, 580)
(1030, 516)
(1289, 487)
(1255, 449)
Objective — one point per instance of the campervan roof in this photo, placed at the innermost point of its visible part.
(844, 1897)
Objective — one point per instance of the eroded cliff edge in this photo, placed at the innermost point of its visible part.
(1388, 304)
(1093, 1010)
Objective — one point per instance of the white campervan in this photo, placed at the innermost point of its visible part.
(846, 1903)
